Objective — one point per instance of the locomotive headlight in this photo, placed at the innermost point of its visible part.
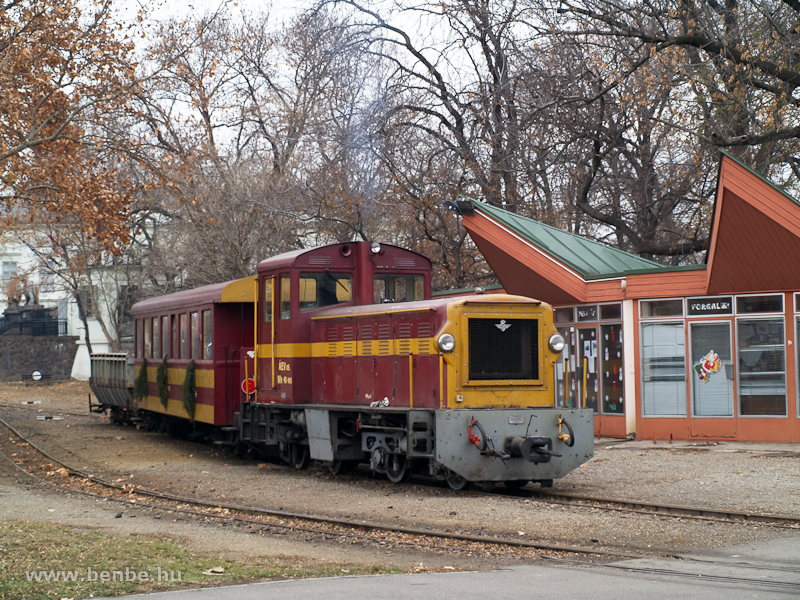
(446, 342)
(375, 247)
(556, 343)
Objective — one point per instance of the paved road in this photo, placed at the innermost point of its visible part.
(763, 570)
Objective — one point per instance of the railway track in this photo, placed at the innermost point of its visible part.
(578, 500)
(77, 481)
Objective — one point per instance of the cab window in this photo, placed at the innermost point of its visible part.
(324, 289)
(286, 298)
(267, 300)
(398, 288)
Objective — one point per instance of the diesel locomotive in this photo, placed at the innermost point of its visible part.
(340, 354)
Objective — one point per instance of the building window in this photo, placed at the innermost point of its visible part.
(711, 369)
(586, 314)
(662, 308)
(611, 312)
(207, 335)
(184, 335)
(286, 297)
(9, 269)
(324, 289)
(663, 370)
(194, 328)
(797, 345)
(772, 303)
(762, 367)
(564, 314)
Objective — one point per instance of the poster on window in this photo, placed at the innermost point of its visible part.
(707, 366)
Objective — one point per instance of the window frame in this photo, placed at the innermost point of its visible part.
(747, 314)
(316, 305)
(762, 317)
(195, 335)
(690, 370)
(183, 336)
(207, 327)
(648, 318)
(156, 334)
(642, 325)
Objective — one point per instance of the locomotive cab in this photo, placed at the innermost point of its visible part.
(297, 286)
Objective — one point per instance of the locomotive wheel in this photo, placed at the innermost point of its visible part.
(340, 467)
(398, 470)
(301, 457)
(515, 484)
(456, 481)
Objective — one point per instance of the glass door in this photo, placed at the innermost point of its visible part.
(587, 367)
(611, 370)
(712, 369)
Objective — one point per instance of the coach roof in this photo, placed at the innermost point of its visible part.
(240, 290)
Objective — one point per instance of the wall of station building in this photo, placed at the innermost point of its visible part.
(713, 367)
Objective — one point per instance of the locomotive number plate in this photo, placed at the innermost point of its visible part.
(515, 420)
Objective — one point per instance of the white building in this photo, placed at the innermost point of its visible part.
(21, 257)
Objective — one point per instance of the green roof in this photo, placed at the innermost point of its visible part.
(591, 259)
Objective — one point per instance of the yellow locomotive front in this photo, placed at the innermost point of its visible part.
(499, 420)
(500, 351)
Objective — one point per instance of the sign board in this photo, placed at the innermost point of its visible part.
(709, 305)
(248, 386)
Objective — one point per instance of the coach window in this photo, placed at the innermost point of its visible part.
(207, 334)
(324, 289)
(176, 343)
(398, 288)
(761, 354)
(164, 337)
(267, 301)
(138, 331)
(286, 297)
(156, 338)
(147, 346)
(194, 328)
(184, 333)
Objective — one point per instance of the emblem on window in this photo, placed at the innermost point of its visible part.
(502, 325)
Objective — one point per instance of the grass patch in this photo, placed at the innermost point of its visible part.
(43, 561)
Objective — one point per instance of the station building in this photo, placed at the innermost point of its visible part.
(705, 352)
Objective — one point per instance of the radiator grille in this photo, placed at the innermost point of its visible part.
(503, 349)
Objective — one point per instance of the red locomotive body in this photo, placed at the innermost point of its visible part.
(296, 287)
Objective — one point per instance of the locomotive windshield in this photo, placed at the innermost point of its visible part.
(399, 288)
(324, 289)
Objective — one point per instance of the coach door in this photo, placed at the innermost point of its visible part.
(266, 333)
